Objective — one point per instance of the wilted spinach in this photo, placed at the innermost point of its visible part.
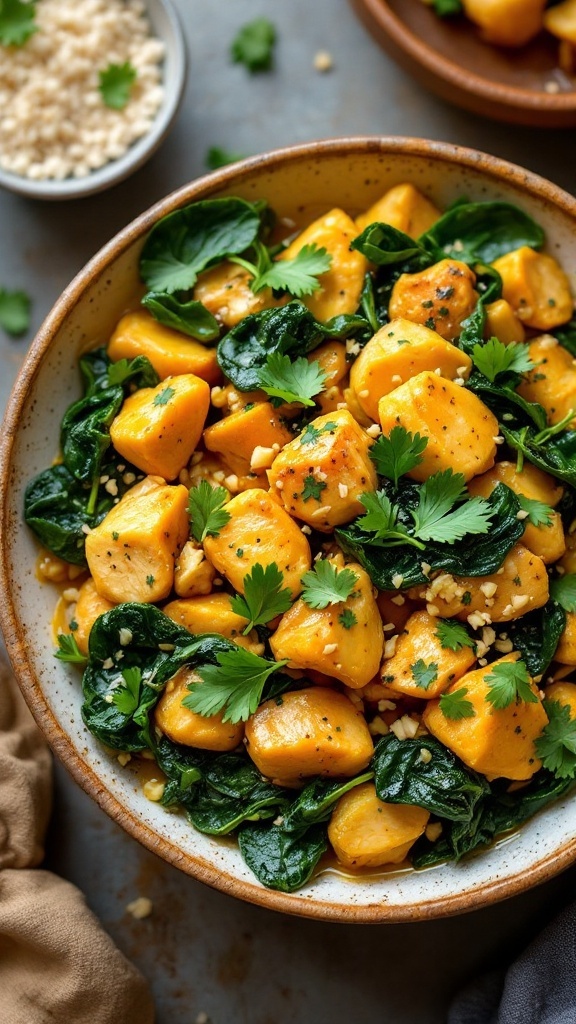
(537, 636)
(188, 316)
(386, 246)
(482, 232)
(279, 859)
(557, 455)
(567, 336)
(233, 791)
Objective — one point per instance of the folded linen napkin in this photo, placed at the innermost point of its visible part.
(57, 965)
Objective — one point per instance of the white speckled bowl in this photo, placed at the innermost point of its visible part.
(351, 173)
(165, 26)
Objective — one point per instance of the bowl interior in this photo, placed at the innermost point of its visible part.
(313, 178)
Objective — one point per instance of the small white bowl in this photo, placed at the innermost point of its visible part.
(165, 26)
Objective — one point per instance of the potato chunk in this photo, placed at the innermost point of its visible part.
(459, 427)
(561, 21)
(226, 293)
(181, 725)
(506, 22)
(398, 352)
(494, 742)
(365, 832)
(341, 286)
(170, 352)
(131, 553)
(193, 573)
(321, 474)
(502, 323)
(308, 732)
(536, 287)
(419, 646)
(566, 650)
(236, 436)
(158, 428)
(89, 606)
(403, 207)
(213, 614)
(552, 382)
(440, 297)
(259, 531)
(317, 638)
(546, 541)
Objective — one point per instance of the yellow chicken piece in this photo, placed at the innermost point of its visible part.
(536, 287)
(365, 832)
(546, 541)
(461, 430)
(321, 474)
(341, 285)
(181, 725)
(561, 20)
(506, 22)
(226, 293)
(308, 732)
(419, 645)
(403, 207)
(344, 640)
(566, 650)
(502, 323)
(89, 607)
(564, 694)
(158, 428)
(213, 614)
(193, 573)
(170, 352)
(494, 742)
(131, 553)
(237, 436)
(398, 352)
(440, 297)
(261, 531)
(552, 382)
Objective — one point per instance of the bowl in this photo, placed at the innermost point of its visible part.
(352, 173)
(165, 25)
(448, 56)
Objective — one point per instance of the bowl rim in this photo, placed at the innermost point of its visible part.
(296, 903)
(139, 152)
(456, 75)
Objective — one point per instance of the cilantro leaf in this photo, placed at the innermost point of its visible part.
(313, 488)
(16, 22)
(509, 682)
(424, 675)
(563, 591)
(325, 584)
(253, 46)
(455, 706)
(163, 397)
(206, 512)
(397, 454)
(115, 84)
(68, 650)
(299, 275)
(311, 434)
(263, 597)
(14, 306)
(447, 8)
(493, 358)
(433, 519)
(381, 519)
(347, 618)
(539, 514)
(217, 157)
(452, 635)
(289, 381)
(235, 684)
(127, 697)
(556, 746)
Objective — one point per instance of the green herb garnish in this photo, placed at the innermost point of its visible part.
(234, 685)
(325, 584)
(263, 598)
(115, 84)
(205, 507)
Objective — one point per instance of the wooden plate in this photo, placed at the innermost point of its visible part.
(449, 57)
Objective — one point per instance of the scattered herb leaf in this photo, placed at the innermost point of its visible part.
(264, 598)
(397, 454)
(127, 697)
(68, 650)
(453, 635)
(509, 682)
(14, 306)
(424, 675)
(455, 706)
(115, 84)
(563, 591)
(253, 45)
(207, 515)
(234, 685)
(557, 744)
(325, 584)
(297, 381)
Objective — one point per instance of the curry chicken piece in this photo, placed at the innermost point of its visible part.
(181, 725)
(404, 208)
(365, 832)
(440, 297)
(169, 351)
(420, 644)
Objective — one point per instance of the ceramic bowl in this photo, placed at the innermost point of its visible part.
(165, 26)
(448, 56)
(351, 173)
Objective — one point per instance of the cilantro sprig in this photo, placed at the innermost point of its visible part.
(127, 697)
(556, 747)
(563, 591)
(325, 584)
(206, 511)
(509, 682)
(235, 685)
(424, 675)
(297, 276)
(254, 44)
(68, 650)
(115, 84)
(17, 22)
(397, 454)
(453, 636)
(455, 706)
(217, 157)
(311, 433)
(14, 307)
(264, 597)
(381, 519)
(493, 358)
(288, 381)
(539, 514)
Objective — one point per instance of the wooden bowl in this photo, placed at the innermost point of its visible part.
(351, 173)
(449, 57)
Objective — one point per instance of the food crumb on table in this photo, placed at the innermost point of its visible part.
(140, 908)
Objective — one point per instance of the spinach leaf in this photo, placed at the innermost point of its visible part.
(97, 373)
(474, 555)
(316, 802)
(279, 859)
(85, 431)
(482, 232)
(185, 242)
(443, 785)
(290, 330)
(567, 336)
(557, 455)
(504, 401)
(191, 318)
(233, 791)
(384, 245)
(537, 636)
(183, 767)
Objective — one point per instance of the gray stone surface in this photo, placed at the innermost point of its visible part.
(202, 951)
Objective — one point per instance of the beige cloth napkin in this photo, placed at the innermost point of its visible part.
(57, 965)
